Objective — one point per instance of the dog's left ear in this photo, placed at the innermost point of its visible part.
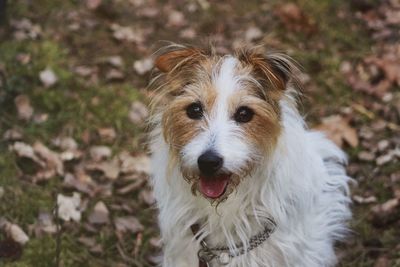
(179, 57)
(274, 69)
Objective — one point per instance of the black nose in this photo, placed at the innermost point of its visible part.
(209, 163)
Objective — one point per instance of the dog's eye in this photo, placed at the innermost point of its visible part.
(194, 111)
(243, 115)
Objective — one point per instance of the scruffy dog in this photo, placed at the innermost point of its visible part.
(239, 179)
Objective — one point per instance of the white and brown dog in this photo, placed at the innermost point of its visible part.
(239, 179)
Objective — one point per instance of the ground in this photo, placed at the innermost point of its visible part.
(73, 99)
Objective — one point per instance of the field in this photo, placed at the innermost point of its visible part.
(73, 105)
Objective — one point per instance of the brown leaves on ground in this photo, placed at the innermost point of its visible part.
(295, 19)
(24, 108)
(337, 129)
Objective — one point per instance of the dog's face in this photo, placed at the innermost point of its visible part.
(220, 114)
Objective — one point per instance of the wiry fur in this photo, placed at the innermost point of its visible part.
(298, 180)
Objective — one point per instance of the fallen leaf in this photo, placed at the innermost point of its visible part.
(23, 58)
(115, 61)
(364, 200)
(188, 33)
(69, 207)
(131, 187)
(93, 4)
(48, 77)
(147, 196)
(138, 112)
(81, 182)
(128, 223)
(26, 151)
(338, 130)
(107, 134)
(16, 233)
(143, 66)
(382, 261)
(122, 33)
(84, 71)
(386, 207)
(12, 135)
(52, 159)
(98, 153)
(294, 19)
(137, 164)
(111, 169)
(25, 29)
(45, 224)
(24, 108)
(366, 156)
(176, 19)
(65, 143)
(115, 74)
(100, 214)
(253, 33)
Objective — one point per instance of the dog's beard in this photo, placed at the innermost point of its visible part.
(236, 177)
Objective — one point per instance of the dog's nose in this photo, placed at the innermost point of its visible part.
(209, 163)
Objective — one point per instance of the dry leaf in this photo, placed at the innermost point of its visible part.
(188, 33)
(176, 18)
(12, 135)
(143, 66)
(65, 143)
(16, 233)
(338, 130)
(24, 108)
(147, 196)
(93, 4)
(52, 159)
(253, 33)
(115, 61)
(364, 200)
(48, 77)
(100, 214)
(382, 261)
(81, 182)
(45, 224)
(294, 19)
(84, 71)
(26, 151)
(69, 207)
(115, 74)
(111, 169)
(107, 134)
(98, 153)
(128, 223)
(386, 207)
(137, 164)
(127, 34)
(138, 112)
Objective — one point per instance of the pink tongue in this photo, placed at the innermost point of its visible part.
(213, 187)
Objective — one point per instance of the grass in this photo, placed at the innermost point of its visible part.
(77, 106)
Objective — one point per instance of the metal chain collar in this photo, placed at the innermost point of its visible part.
(223, 254)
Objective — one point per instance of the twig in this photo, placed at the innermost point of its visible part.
(58, 234)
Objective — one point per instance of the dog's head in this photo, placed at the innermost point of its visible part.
(220, 114)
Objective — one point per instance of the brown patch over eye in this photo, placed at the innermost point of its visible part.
(178, 128)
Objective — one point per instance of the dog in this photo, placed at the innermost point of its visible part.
(239, 179)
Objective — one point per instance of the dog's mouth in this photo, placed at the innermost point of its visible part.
(215, 186)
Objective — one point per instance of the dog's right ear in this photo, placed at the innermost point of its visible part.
(177, 58)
